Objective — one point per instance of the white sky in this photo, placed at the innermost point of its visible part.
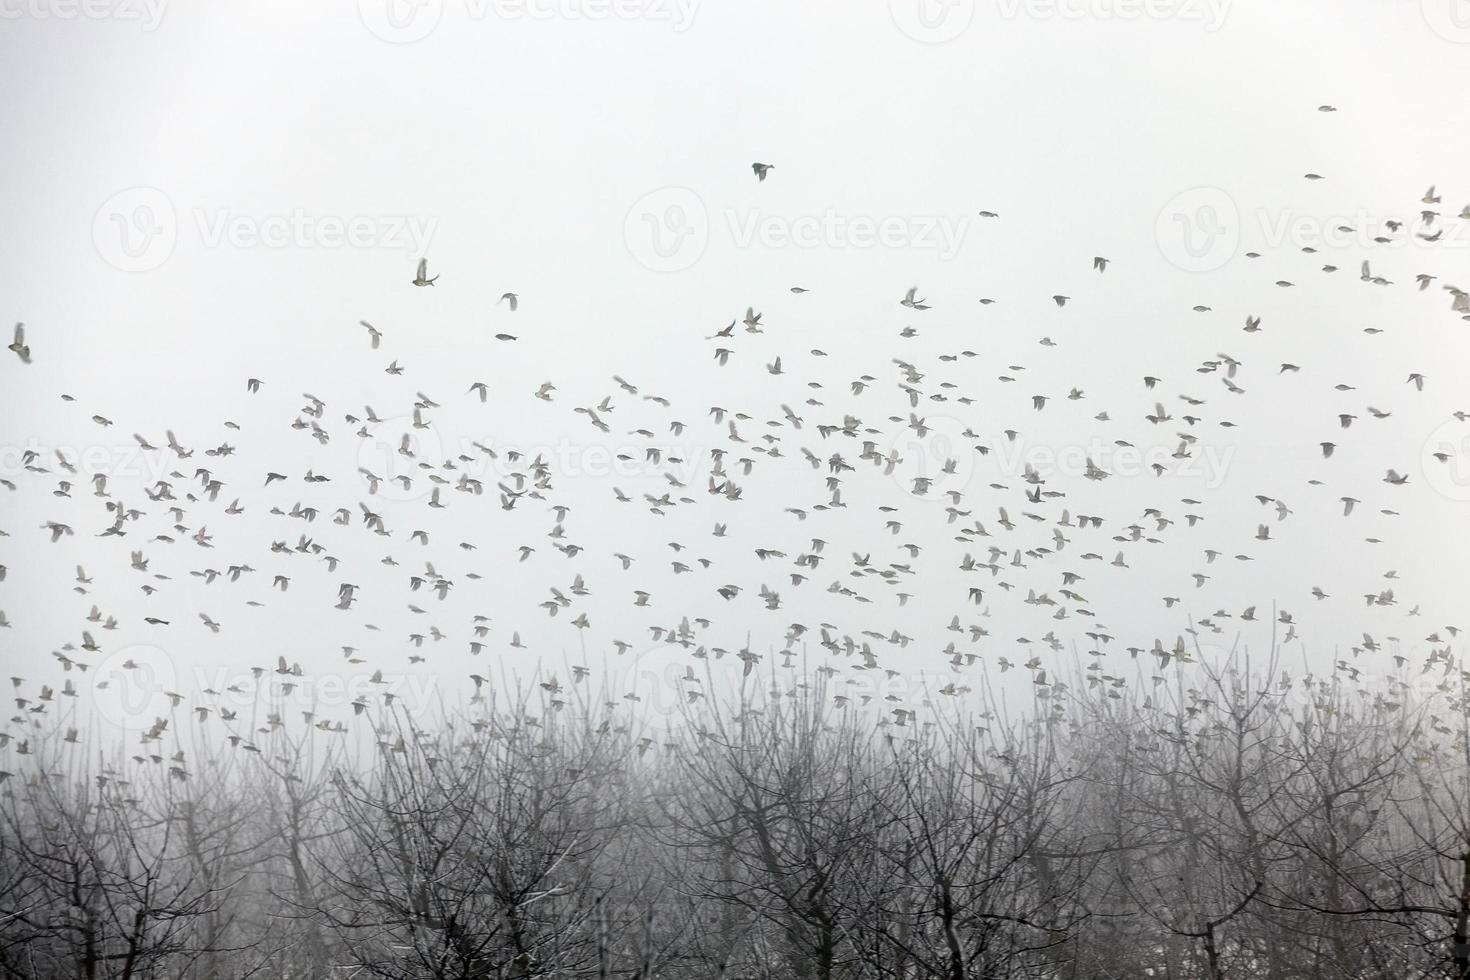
(600, 168)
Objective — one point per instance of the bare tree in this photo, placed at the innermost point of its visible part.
(98, 868)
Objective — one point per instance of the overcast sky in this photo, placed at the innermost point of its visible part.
(200, 194)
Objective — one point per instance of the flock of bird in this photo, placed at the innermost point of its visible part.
(1029, 541)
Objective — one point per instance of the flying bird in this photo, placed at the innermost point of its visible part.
(19, 344)
(421, 278)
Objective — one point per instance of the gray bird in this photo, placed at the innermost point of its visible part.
(19, 344)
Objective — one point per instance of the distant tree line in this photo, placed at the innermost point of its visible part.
(1223, 824)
